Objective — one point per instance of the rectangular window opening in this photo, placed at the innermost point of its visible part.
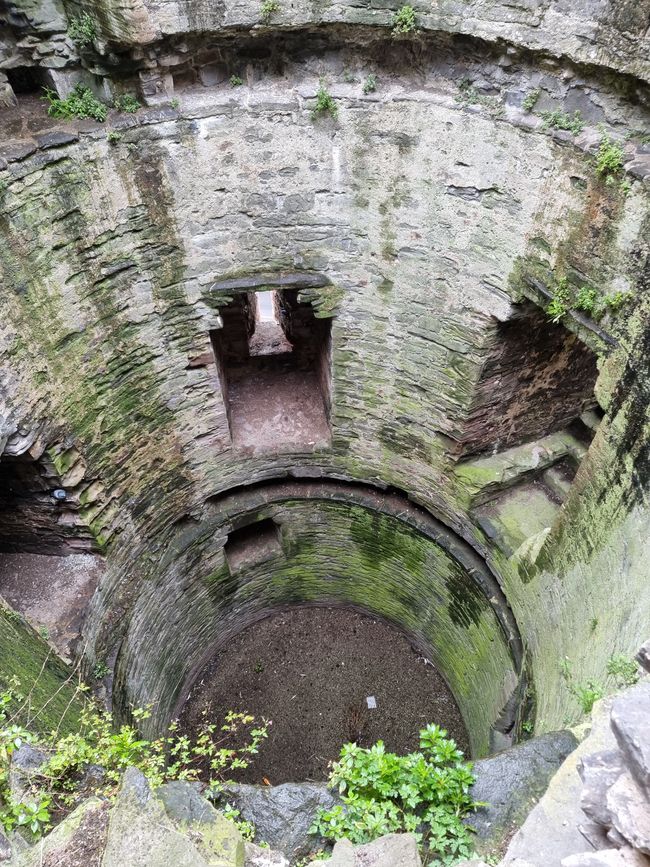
(274, 359)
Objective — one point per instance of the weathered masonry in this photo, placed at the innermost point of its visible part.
(256, 352)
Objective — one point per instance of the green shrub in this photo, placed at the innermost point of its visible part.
(82, 30)
(325, 104)
(426, 793)
(80, 103)
(609, 158)
(587, 300)
(126, 102)
(615, 300)
(269, 7)
(404, 20)
(624, 671)
(370, 84)
(558, 306)
(113, 138)
(531, 98)
(236, 81)
(587, 694)
(99, 742)
(557, 119)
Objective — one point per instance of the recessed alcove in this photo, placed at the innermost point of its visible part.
(537, 378)
(252, 544)
(36, 514)
(273, 358)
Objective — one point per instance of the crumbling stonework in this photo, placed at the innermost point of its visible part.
(433, 216)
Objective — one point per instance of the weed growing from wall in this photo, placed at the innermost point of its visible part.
(268, 9)
(609, 158)
(325, 104)
(370, 84)
(425, 793)
(81, 103)
(82, 30)
(620, 672)
(236, 81)
(586, 299)
(557, 119)
(404, 21)
(530, 99)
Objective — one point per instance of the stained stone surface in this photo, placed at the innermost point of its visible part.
(424, 221)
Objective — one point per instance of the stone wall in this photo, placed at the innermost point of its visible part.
(420, 220)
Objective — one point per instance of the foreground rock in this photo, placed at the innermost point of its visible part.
(393, 850)
(510, 784)
(598, 801)
(283, 815)
(171, 827)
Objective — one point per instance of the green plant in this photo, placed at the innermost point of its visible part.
(404, 20)
(126, 102)
(99, 742)
(587, 694)
(615, 300)
(175, 103)
(557, 119)
(426, 793)
(325, 103)
(269, 7)
(348, 76)
(80, 103)
(236, 81)
(593, 623)
(609, 158)
(114, 137)
(44, 632)
(558, 306)
(82, 29)
(530, 99)
(101, 670)
(624, 671)
(587, 300)
(246, 828)
(469, 94)
(370, 84)
(527, 727)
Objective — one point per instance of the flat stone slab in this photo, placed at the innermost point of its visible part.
(551, 831)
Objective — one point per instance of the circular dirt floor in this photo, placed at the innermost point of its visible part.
(310, 671)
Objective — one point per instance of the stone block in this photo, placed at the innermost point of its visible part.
(630, 812)
(282, 815)
(607, 858)
(393, 850)
(630, 715)
(598, 772)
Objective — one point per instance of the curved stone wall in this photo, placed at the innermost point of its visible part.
(337, 544)
(426, 222)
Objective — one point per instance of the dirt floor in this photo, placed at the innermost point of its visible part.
(311, 670)
(51, 592)
(278, 410)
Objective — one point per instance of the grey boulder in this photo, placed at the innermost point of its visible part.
(630, 813)
(511, 782)
(598, 772)
(607, 858)
(283, 814)
(393, 850)
(630, 715)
